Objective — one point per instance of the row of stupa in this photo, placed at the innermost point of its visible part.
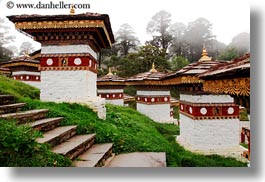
(68, 65)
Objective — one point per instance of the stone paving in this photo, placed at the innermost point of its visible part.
(139, 159)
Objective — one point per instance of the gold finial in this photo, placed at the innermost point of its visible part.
(205, 56)
(204, 51)
(26, 53)
(110, 73)
(153, 70)
(72, 10)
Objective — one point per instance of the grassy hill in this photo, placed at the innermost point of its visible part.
(129, 130)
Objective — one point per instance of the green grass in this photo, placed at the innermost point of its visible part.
(243, 115)
(129, 130)
(18, 89)
(244, 145)
(19, 148)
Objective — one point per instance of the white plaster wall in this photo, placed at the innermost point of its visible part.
(206, 98)
(55, 49)
(34, 84)
(25, 73)
(149, 92)
(206, 135)
(118, 102)
(110, 91)
(159, 112)
(67, 86)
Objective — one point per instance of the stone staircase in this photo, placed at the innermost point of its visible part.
(63, 139)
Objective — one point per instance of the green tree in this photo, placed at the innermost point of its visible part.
(139, 62)
(150, 54)
(5, 38)
(214, 48)
(178, 46)
(126, 39)
(178, 62)
(228, 54)
(13, 49)
(197, 34)
(242, 43)
(158, 27)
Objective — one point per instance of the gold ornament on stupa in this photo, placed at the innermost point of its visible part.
(153, 70)
(72, 10)
(205, 56)
(26, 53)
(110, 72)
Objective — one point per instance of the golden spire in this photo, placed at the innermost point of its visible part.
(205, 56)
(204, 51)
(110, 73)
(72, 10)
(26, 53)
(153, 70)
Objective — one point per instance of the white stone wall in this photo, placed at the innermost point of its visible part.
(149, 92)
(110, 91)
(118, 102)
(206, 98)
(67, 86)
(14, 73)
(32, 83)
(157, 112)
(55, 49)
(207, 135)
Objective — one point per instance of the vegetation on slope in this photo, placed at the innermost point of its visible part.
(18, 89)
(19, 148)
(129, 130)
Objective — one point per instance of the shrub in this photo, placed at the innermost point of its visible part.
(187, 161)
(19, 148)
(243, 115)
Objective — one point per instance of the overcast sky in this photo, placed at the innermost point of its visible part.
(229, 17)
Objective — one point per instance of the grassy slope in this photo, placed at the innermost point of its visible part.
(129, 130)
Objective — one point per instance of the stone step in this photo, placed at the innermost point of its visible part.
(26, 116)
(6, 99)
(108, 161)
(45, 124)
(95, 156)
(75, 146)
(11, 108)
(58, 135)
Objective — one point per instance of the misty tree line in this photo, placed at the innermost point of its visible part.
(10, 51)
(172, 46)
